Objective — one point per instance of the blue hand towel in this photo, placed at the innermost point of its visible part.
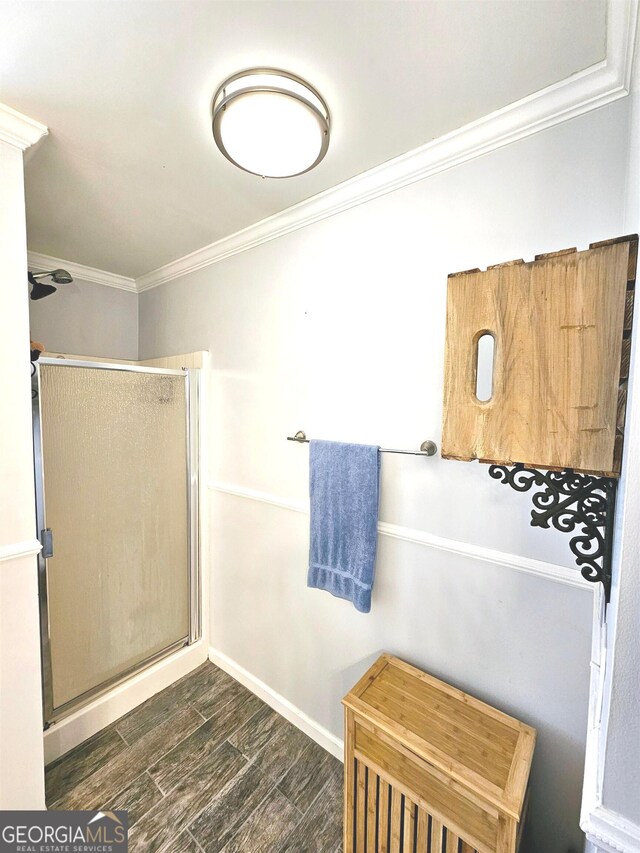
(344, 485)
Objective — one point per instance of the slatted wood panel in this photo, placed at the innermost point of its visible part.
(390, 822)
(562, 327)
(430, 789)
(414, 780)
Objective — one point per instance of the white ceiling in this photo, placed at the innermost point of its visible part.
(129, 177)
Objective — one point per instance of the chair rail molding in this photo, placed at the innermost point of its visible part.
(600, 84)
(19, 130)
(550, 571)
(16, 550)
(80, 271)
(610, 832)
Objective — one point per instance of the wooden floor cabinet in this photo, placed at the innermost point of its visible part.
(429, 769)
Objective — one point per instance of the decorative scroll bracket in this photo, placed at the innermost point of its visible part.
(571, 501)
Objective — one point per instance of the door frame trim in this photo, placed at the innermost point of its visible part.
(193, 503)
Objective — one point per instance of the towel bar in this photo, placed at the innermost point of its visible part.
(427, 448)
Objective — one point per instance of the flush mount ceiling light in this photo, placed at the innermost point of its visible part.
(270, 123)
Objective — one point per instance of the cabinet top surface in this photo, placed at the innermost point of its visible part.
(479, 746)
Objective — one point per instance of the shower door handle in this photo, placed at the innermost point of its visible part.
(46, 540)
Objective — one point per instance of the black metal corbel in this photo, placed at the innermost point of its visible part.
(567, 501)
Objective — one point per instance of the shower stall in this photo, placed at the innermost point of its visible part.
(116, 461)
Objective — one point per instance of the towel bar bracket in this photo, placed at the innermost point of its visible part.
(568, 501)
(427, 448)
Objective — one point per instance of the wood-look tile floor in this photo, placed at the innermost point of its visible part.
(206, 767)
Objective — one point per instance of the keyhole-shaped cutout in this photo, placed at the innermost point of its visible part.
(484, 367)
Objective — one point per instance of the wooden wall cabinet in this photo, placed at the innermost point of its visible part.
(561, 326)
(429, 769)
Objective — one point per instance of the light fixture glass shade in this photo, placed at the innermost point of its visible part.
(270, 123)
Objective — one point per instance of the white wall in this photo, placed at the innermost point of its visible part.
(338, 329)
(622, 779)
(85, 318)
(613, 796)
(21, 757)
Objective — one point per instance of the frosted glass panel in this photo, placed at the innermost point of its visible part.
(114, 448)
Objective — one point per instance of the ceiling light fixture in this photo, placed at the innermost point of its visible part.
(270, 123)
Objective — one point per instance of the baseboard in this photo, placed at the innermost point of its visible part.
(106, 709)
(288, 710)
(609, 832)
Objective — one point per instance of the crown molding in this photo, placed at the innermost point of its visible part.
(600, 84)
(19, 130)
(46, 262)
(594, 87)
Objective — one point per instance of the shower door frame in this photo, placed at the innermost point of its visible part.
(192, 398)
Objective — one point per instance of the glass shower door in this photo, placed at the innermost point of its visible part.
(117, 493)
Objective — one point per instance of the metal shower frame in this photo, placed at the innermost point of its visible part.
(192, 396)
